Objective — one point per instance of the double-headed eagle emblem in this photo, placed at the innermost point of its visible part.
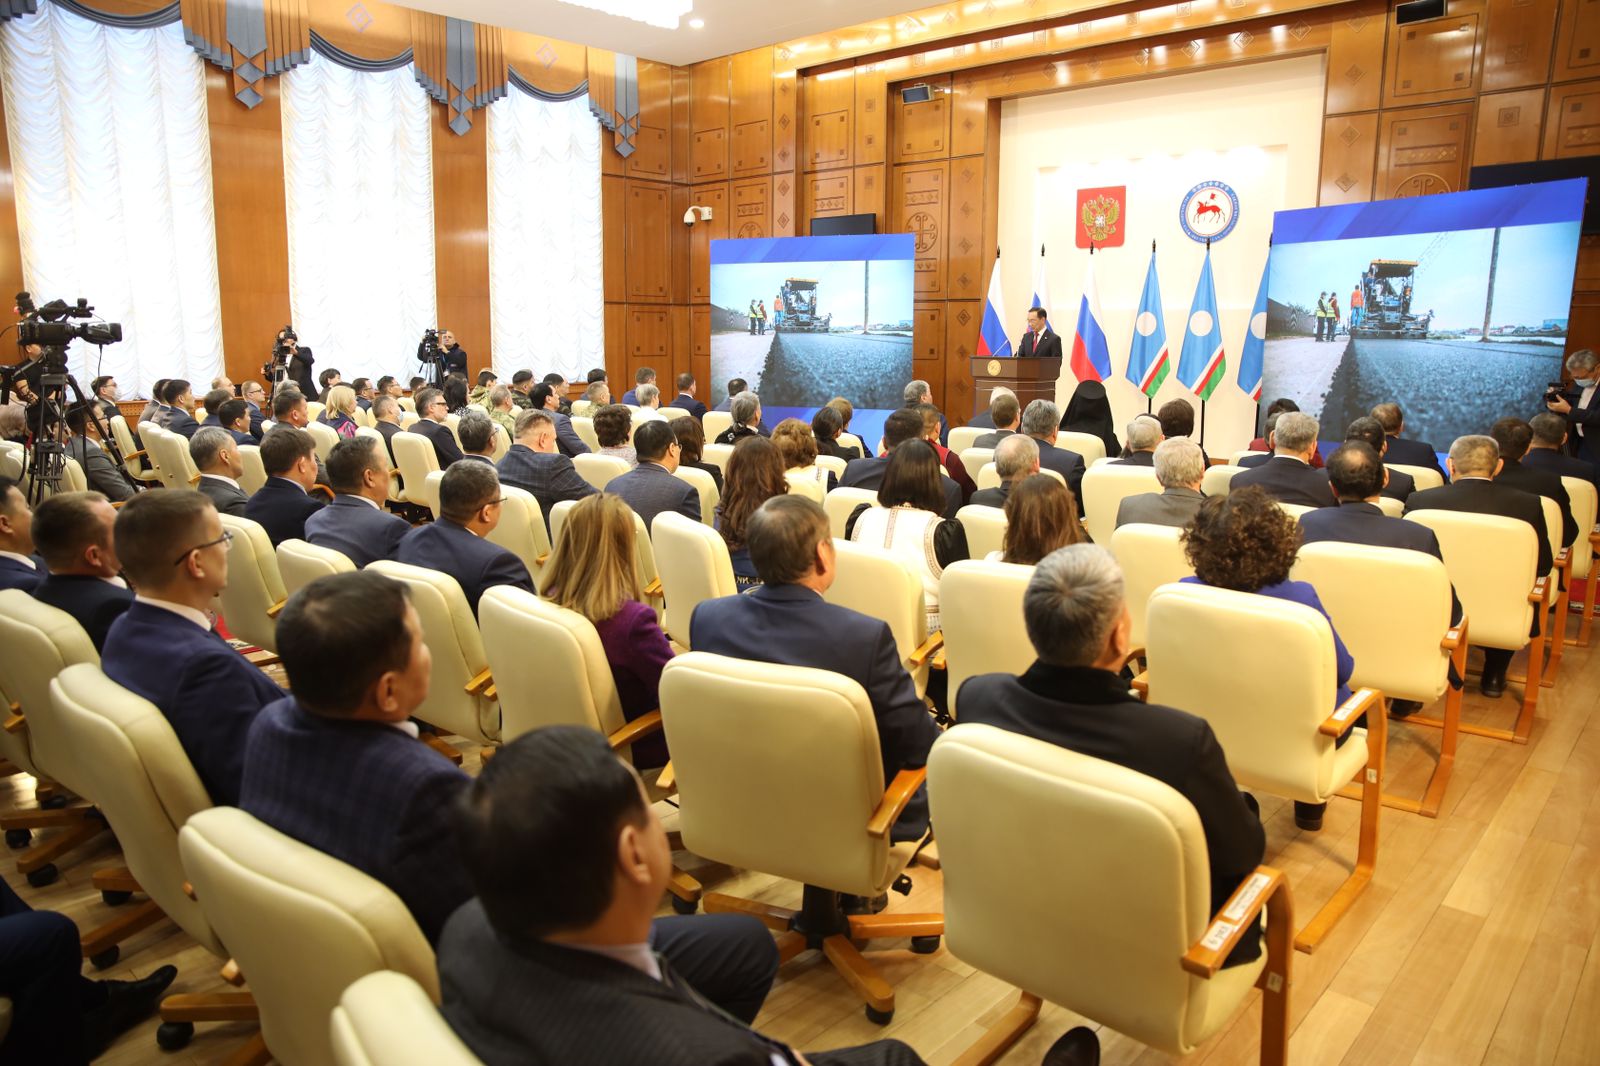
(1100, 217)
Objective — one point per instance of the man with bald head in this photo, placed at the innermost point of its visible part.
(1144, 434)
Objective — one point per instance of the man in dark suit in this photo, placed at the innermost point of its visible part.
(787, 621)
(1548, 450)
(175, 552)
(1041, 420)
(568, 442)
(1074, 697)
(289, 409)
(685, 398)
(356, 523)
(1474, 461)
(20, 568)
(1577, 405)
(643, 376)
(230, 414)
(254, 395)
(1006, 414)
(213, 402)
(469, 509)
(73, 531)
(735, 387)
(899, 427)
(651, 487)
(534, 465)
(180, 399)
(1398, 485)
(1288, 476)
(386, 420)
(216, 456)
(985, 419)
(1040, 340)
(83, 445)
(917, 394)
(1144, 435)
(1400, 450)
(477, 436)
(283, 504)
(1017, 458)
(1513, 435)
(558, 385)
(1180, 468)
(556, 959)
(430, 423)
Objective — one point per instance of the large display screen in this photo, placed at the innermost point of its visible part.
(1454, 306)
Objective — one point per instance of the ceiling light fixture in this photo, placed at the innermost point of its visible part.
(697, 24)
(663, 13)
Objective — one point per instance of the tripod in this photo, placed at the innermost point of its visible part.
(47, 453)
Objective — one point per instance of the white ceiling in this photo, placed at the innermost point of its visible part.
(730, 25)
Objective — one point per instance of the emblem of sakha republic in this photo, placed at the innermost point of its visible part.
(1100, 217)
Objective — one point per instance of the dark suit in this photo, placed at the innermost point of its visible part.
(256, 418)
(868, 474)
(183, 422)
(93, 601)
(444, 442)
(1046, 346)
(1287, 480)
(388, 430)
(1170, 507)
(835, 449)
(992, 440)
(1092, 712)
(1585, 444)
(1400, 487)
(982, 420)
(651, 488)
(792, 625)
(228, 498)
(1067, 463)
(1136, 459)
(995, 497)
(1253, 460)
(631, 397)
(1412, 453)
(1560, 464)
(1542, 483)
(102, 475)
(568, 442)
(689, 403)
(531, 1002)
(364, 533)
(282, 507)
(16, 575)
(208, 691)
(550, 477)
(213, 422)
(475, 563)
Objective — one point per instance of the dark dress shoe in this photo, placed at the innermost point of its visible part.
(1308, 816)
(1493, 685)
(1077, 1047)
(863, 904)
(1404, 708)
(127, 1003)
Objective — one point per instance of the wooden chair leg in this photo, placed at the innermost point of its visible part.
(862, 977)
(1310, 938)
(210, 1007)
(41, 855)
(1530, 689)
(134, 920)
(253, 1053)
(1276, 981)
(684, 887)
(773, 917)
(892, 926)
(1585, 610)
(1558, 643)
(115, 879)
(999, 1037)
(43, 819)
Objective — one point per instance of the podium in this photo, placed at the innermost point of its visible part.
(1030, 377)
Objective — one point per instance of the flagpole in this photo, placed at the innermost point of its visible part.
(1150, 401)
(1202, 399)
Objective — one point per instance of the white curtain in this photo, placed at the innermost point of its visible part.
(358, 171)
(111, 157)
(545, 286)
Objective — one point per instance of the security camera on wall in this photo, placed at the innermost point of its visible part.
(696, 214)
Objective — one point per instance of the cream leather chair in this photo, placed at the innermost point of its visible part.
(521, 530)
(877, 584)
(989, 476)
(705, 485)
(324, 437)
(300, 563)
(963, 437)
(841, 502)
(1217, 479)
(584, 427)
(1294, 510)
(414, 455)
(1239, 456)
(1090, 447)
(407, 404)
(255, 472)
(1016, 910)
(1584, 506)
(805, 483)
(985, 528)
(750, 744)
(131, 452)
(409, 418)
(1557, 589)
(1104, 489)
(1492, 562)
(714, 423)
(363, 417)
(974, 458)
(672, 414)
(582, 409)
(1272, 713)
(250, 603)
(717, 454)
(395, 492)
(171, 452)
(387, 1019)
(1426, 476)
(983, 628)
(598, 470)
(254, 884)
(430, 489)
(1150, 556)
(692, 560)
(850, 440)
(461, 699)
(1392, 507)
(1403, 650)
(314, 409)
(13, 458)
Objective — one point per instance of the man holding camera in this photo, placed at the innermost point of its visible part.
(1577, 404)
(295, 360)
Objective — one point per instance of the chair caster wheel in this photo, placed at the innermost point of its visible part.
(54, 803)
(924, 945)
(107, 958)
(44, 875)
(685, 906)
(173, 1036)
(879, 1017)
(18, 838)
(114, 898)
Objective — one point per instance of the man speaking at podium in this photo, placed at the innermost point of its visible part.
(1040, 340)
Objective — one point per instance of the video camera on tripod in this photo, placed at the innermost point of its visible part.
(276, 369)
(430, 353)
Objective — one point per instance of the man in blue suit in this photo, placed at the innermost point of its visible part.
(180, 399)
(430, 423)
(568, 442)
(899, 427)
(1401, 450)
(735, 387)
(231, 414)
(1397, 484)
(685, 398)
(469, 509)
(534, 465)
(355, 523)
(1548, 450)
(19, 567)
(787, 621)
(1288, 476)
(254, 395)
(73, 531)
(1041, 420)
(651, 487)
(283, 504)
(174, 550)
(643, 376)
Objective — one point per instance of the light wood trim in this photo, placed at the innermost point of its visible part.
(684, 886)
(654, 588)
(15, 723)
(1536, 594)
(1243, 909)
(277, 608)
(480, 683)
(231, 973)
(115, 879)
(1344, 716)
(210, 1007)
(635, 730)
(441, 746)
(668, 779)
(188, 890)
(938, 662)
(895, 798)
(128, 457)
(778, 919)
(1141, 685)
(252, 1053)
(541, 560)
(136, 918)
(998, 1038)
(1455, 636)
(194, 479)
(925, 652)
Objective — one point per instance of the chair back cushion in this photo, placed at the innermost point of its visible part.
(805, 483)
(692, 560)
(1150, 556)
(833, 464)
(254, 583)
(1584, 504)
(430, 492)
(414, 455)
(880, 585)
(300, 563)
(598, 470)
(1392, 507)
(974, 459)
(1491, 560)
(255, 472)
(37, 642)
(1104, 489)
(387, 1019)
(1087, 445)
(1426, 477)
(583, 426)
(841, 502)
(714, 423)
(716, 454)
(549, 665)
(324, 437)
(521, 530)
(704, 484)
(963, 437)
(981, 616)
(985, 528)
(1217, 480)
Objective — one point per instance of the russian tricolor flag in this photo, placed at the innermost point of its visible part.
(992, 339)
(1091, 355)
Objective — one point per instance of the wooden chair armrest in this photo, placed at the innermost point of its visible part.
(482, 684)
(277, 608)
(654, 588)
(1563, 559)
(1141, 685)
(895, 798)
(1344, 716)
(194, 479)
(1454, 635)
(541, 560)
(1536, 594)
(1206, 956)
(442, 746)
(129, 457)
(322, 489)
(938, 661)
(925, 652)
(15, 723)
(188, 890)
(635, 730)
(232, 974)
(668, 779)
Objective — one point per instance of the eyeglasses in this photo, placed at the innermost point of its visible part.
(226, 540)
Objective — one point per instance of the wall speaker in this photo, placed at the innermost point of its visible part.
(921, 94)
(1417, 10)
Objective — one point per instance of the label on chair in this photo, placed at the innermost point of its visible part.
(1218, 934)
(1342, 713)
(1245, 898)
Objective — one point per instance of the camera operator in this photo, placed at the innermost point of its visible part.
(452, 358)
(1578, 404)
(297, 359)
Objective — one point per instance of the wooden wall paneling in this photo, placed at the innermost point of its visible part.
(1508, 127)
(919, 203)
(682, 240)
(613, 234)
(1355, 58)
(461, 236)
(827, 195)
(649, 343)
(682, 350)
(827, 139)
(1583, 321)
(700, 348)
(681, 124)
(1349, 157)
(1586, 277)
(927, 347)
(252, 221)
(750, 112)
(648, 236)
(11, 242)
(652, 157)
(552, 65)
(1577, 51)
(871, 114)
(1572, 127)
(922, 131)
(872, 192)
(786, 190)
(708, 115)
(967, 252)
(969, 115)
(1518, 43)
(715, 196)
(1436, 60)
(1423, 150)
(751, 208)
(617, 347)
(962, 319)
(787, 195)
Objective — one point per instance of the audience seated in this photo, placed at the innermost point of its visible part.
(1177, 420)
(643, 376)
(215, 453)
(1041, 516)
(593, 571)
(455, 392)
(1288, 476)
(254, 395)
(1144, 434)
(521, 385)
(649, 404)
(613, 427)
(180, 408)
(469, 509)
(1260, 458)
(1089, 411)
(83, 445)
(476, 432)
(365, 393)
(933, 429)
(686, 398)
(1074, 696)
(502, 410)
(846, 413)
(826, 425)
(1245, 542)
(339, 412)
(1006, 415)
(568, 442)
(799, 450)
(73, 532)
(1397, 484)
(787, 621)
(175, 552)
(735, 387)
(386, 420)
(557, 960)
(156, 410)
(283, 503)
(20, 568)
(650, 487)
(901, 426)
(598, 394)
(1547, 450)
(1016, 458)
(479, 393)
(1263, 443)
(289, 409)
(325, 383)
(918, 394)
(907, 521)
(233, 415)
(1403, 451)
(755, 475)
(1180, 467)
(213, 402)
(985, 419)
(558, 386)
(355, 522)
(534, 465)
(431, 413)
(1514, 436)
(1356, 474)
(746, 411)
(1041, 420)
(691, 448)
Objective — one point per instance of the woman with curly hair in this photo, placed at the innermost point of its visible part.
(1041, 516)
(1244, 541)
(798, 447)
(613, 428)
(755, 475)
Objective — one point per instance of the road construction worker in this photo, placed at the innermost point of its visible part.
(1324, 318)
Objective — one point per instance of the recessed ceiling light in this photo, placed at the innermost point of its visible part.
(697, 24)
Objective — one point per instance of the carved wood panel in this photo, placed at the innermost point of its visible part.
(752, 208)
(968, 251)
(927, 333)
(1355, 59)
(922, 131)
(700, 346)
(828, 129)
(652, 156)
(613, 235)
(1577, 52)
(649, 339)
(750, 111)
(785, 123)
(752, 147)
(919, 205)
(682, 91)
(828, 195)
(961, 320)
(1572, 127)
(1508, 127)
(1434, 60)
(702, 233)
(708, 118)
(1349, 156)
(647, 255)
(708, 154)
(1423, 151)
(871, 193)
(871, 115)
(969, 115)
(1518, 42)
(785, 211)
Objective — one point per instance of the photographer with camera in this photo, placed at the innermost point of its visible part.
(1577, 404)
(290, 362)
(441, 356)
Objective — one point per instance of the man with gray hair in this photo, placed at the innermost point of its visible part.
(1288, 476)
(1016, 458)
(1474, 461)
(746, 411)
(1577, 404)
(1042, 421)
(1144, 433)
(650, 403)
(917, 393)
(1180, 466)
(216, 456)
(1073, 696)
